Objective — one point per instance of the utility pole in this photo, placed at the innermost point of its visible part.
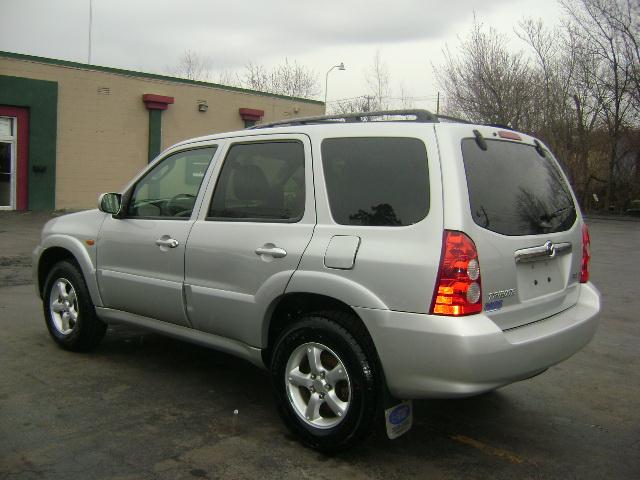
(438, 104)
(90, 27)
(368, 98)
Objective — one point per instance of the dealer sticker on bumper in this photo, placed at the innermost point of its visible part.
(399, 419)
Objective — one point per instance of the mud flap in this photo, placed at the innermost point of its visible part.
(399, 418)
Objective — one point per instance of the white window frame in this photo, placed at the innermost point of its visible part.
(12, 141)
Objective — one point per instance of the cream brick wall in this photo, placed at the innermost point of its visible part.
(102, 138)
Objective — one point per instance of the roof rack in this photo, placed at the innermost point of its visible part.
(423, 116)
(449, 119)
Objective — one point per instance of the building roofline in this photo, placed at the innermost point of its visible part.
(152, 76)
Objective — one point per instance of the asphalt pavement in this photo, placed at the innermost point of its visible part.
(144, 406)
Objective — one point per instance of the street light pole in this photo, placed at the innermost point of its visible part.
(90, 28)
(340, 66)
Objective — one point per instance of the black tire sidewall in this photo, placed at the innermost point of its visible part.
(357, 422)
(77, 339)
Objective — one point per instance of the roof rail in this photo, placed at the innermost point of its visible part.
(447, 118)
(499, 125)
(423, 116)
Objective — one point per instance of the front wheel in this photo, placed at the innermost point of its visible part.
(325, 382)
(68, 311)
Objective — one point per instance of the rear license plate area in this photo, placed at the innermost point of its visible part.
(536, 279)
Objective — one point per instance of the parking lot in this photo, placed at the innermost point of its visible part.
(145, 406)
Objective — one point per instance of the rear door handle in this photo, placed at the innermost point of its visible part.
(271, 250)
(542, 252)
(166, 241)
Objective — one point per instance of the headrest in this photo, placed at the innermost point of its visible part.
(250, 183)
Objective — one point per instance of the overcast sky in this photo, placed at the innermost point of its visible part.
(151, 35)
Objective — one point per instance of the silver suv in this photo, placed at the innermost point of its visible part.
(360, 259)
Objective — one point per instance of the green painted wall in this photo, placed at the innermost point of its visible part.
(155, 133)
(41, 98)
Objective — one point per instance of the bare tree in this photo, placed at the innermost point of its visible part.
(632, 41)
(553, 117)
(596, 26)
(255, 77)
(363, 103)
(378, 81)
(228, 77)
(488, 82)
(405, 99)
(192, 66)
(578, 88)
(288, 78)
(555, 70)
(626, 20)
(377, 78)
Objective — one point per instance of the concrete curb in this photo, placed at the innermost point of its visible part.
(618, 218)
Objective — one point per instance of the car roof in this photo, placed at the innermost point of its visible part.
(392, 122)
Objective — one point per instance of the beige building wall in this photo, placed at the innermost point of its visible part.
(103, 124)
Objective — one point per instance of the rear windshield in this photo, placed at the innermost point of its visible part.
(376, 181)
(515, 191)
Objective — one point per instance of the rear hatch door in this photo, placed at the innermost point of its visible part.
(525, 225)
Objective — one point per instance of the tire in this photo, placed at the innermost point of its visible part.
(68, 311)
(341, 415)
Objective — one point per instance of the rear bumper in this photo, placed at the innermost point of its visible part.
(428, 356)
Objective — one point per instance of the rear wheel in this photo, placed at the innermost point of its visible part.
(68, 311)
(325, 382)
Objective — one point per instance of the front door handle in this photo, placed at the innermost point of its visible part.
(271, 250)
(166, 241)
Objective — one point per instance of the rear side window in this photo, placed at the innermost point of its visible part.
(376, 181)
(261, 182)
(515, 191)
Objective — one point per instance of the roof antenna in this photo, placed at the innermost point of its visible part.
(482, 143)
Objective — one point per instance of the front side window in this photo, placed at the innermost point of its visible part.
(261, 182)
(169, 190)
(376, 181)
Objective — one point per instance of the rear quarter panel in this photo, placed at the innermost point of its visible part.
(395, 267)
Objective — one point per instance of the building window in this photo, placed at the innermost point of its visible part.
(250, 116)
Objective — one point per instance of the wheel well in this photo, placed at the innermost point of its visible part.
(291, 306)
(48, 259)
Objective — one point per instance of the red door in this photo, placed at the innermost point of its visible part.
(14, 148)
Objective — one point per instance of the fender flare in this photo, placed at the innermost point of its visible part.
(82, 257)
(326, 284)
(334, 286)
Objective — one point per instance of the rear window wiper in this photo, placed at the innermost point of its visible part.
(547, 217)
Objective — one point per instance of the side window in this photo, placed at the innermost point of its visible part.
(261, 182)
(170, 188)
(376, 181)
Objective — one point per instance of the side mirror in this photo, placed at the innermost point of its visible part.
(110, 203)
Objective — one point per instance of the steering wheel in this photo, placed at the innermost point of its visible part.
(180, 205)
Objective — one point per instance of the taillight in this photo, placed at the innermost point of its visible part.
(586, 254)
(458, 288)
